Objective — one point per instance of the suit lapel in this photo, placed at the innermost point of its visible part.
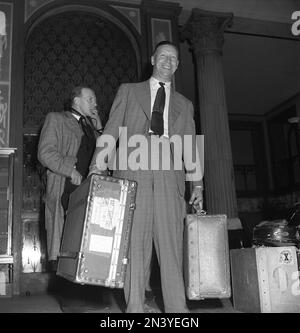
(72, 123)
(143, 96)
(174, 109)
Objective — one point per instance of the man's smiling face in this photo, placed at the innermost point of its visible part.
(165, 62)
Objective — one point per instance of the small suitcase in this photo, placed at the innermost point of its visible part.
(97, 230)
(265, 279)
(206, 257)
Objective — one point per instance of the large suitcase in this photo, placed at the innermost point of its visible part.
(97, 230)
(206, 257)
(265, 279)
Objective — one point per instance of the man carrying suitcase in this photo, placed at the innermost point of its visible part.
(66, 146)
(154, 111)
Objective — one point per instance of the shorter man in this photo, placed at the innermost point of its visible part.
(61, 138)
(66, 146)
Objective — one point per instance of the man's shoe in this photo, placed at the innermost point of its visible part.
(70, 305)
(151, 308)
(149, 295)
(150, 305)
(75, 305)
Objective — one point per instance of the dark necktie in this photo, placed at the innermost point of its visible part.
(85, 126)
(157, 117)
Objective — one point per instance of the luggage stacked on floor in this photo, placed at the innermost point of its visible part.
(97, 230)
(265, 278)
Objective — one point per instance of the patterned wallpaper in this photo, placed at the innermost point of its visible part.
(70, 49)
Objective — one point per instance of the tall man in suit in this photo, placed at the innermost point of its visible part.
(160, 205)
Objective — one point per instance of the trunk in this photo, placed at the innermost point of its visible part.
(97, 231)
(265, 279)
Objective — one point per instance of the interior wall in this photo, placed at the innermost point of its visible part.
(260, 72)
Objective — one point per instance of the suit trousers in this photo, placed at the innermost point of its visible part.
(158, 217)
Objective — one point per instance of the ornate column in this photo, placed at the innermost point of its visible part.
(204, 30)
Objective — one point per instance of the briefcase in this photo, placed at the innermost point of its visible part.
(265, 279)
(97, 230)
(206, 257)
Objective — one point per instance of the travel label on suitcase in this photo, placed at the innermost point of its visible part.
(97, 231)
(206, 257)
(265, 279)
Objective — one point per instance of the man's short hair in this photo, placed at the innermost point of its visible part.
(165, 42)
(75, 92)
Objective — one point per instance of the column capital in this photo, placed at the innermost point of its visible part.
(204, 30)
(162, 8)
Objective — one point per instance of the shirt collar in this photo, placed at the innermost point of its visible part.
(76, 114)
(154, 82)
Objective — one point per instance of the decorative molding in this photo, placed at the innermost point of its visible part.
(132, 14)
(161, 30)
(4, 113)
(33, 5)
(158, 8)
(6, 23)
(205, 30)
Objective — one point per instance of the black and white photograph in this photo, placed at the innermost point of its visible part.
(149, 160)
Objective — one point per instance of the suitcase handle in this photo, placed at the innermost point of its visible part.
(200, 212)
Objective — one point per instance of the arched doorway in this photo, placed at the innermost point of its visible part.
(63, 50)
